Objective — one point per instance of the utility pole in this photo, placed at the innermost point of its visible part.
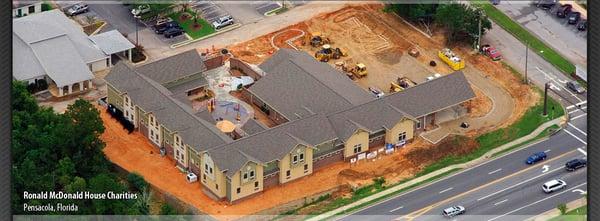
(546, 86)
(526, 60)
(136, 32)
(480, 12)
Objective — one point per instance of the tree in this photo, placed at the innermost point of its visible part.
(137, 181)
(414, 12)
(167, 209)
(462, 21)
(562, 208)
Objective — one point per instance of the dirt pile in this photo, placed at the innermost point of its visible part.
(449, 146)
(479, 106)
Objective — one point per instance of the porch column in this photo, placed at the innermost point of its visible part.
(90, 84)
(110, 61)
(80, 86)
(129, 55)
(70, 88)
(60, 91)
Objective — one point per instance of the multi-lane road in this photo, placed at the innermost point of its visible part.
(504, 188)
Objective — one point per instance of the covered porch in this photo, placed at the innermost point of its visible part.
(113, 44)
(63, 90)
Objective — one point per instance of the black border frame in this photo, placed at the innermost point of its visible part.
(5, 111)
(593, 119)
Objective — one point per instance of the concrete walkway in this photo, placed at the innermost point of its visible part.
(555, 212)
(469, 164)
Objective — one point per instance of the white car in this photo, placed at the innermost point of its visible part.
(554, 185)
(453, 211)
(223, 22)
(376, 91)
(77, 9)
(140, 10)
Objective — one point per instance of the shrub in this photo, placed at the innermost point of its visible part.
(563, 208)
(137, 181)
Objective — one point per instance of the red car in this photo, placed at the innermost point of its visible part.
(491, 52)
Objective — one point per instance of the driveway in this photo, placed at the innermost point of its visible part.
(553, 31)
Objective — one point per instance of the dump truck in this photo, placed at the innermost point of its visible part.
(451, 59)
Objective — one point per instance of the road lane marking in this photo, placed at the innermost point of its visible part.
(498, 203)
(580, 131)
(559, 85)
(536, 202)
(432, 206)
(578, 116)
(579, 191)
(576, 110)
(582, 151)
(576, 137)
(581, 103)
(446, 190)
(547, 151)
(495, 171)
(391, 211)
(545, 168)
(518, 184)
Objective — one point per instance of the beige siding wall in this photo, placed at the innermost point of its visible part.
(98, 65)
(405, 125)
(360, 137)
(296, 169)
(214, 181)
(114, 97)
(249, 185)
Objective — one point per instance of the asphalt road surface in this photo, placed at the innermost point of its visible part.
(504, 188)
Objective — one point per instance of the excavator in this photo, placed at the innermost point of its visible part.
(327, 53)
(317, 39)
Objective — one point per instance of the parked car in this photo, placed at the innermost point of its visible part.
(376, 91)
(575, 164)
(582, 26)
(161, 21)
(491, 52)
(223, 22)
(575, 87)
(173, 32)
(554, 185)
(160, 29)
(453, 211)
(536, 157)
(574, 17)
(78, 8)
(140, 10)
(564, 10)
(546, 4)
(495, 2)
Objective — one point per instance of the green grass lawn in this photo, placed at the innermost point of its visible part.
(188, 25)
(579, 214)
(524, 36)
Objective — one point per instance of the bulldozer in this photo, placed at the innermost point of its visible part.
(339, 52)
(317, 39)
(359, 70)
(325, 54)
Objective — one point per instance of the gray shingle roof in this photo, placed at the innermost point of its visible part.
(253, 126)
(173, 68)
(176, 116)
(297, 85)
(111, 42)
(274, 143)
(433, 95)
(188, 85)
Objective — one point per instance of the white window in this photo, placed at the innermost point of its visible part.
(252, 174)
(301, 157)
(295, 159)
(357, 148)
(418, 124)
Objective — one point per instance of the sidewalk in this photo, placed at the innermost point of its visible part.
(555, 212)
(469, 164)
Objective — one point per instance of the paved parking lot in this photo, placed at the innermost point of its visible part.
(554, 31)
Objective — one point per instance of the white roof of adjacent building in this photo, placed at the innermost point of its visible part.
(111, 42)
(49, 43)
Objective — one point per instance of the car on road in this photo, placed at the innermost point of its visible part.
(575, 164)
(582, 26)
(453, 211)
(78, 8)
(491, 52)
(574, 17)
(554, 185)
(564, 10)
(140, 10)
(223, 22)
(376, 91)
(575, 87)
(536, 157)
(160, 29)
(173, 32)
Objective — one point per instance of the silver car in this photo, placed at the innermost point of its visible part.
(223, 22)
(453, 211)
(76, 9)
(554, 185)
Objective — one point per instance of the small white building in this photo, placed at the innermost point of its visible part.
(24, 8)
(52, 47)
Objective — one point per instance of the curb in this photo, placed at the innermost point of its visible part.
(186, 42)
(340, 211)
(555, 212)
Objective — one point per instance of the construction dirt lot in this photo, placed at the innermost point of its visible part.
(379, 40)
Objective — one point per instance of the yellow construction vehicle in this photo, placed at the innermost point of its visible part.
(317, 39)
(325, 54)
(359, 70)
(395, 87)
(339, 52)
(451, 59)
